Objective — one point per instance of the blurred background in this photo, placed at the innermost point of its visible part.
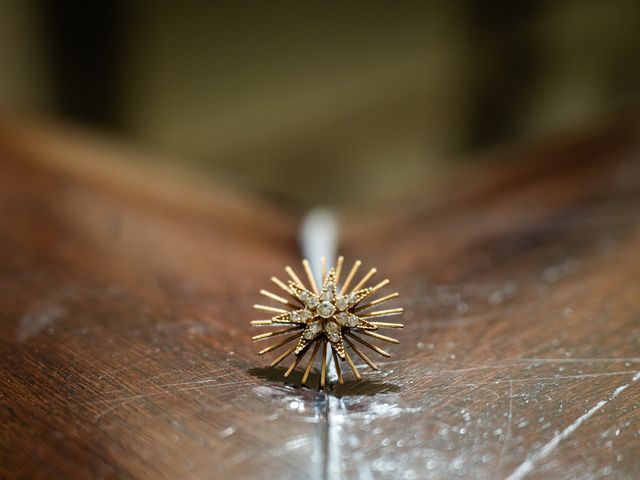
(332, 104)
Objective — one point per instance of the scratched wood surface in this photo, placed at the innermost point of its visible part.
(521, 352)
(125, 299)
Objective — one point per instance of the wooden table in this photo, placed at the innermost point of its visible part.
(125, 297)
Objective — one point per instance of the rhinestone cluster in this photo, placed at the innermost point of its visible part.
(327, 312)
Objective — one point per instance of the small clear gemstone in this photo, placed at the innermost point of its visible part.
(332, 331)
(305, 315)
(345, 319)
(342, 303)
(311, 301)
(312, 330)
(342, 318)
(352, 321)
(327, 296)
(326, 309)
(295, 316)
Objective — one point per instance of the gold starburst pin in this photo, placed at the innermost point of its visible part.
(333, 314)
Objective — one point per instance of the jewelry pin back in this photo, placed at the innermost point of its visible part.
(331, 314)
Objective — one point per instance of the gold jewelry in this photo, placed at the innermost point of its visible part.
(332, 314)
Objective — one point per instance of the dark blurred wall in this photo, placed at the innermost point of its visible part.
(86, 45)
(24, 75)
(350, 103)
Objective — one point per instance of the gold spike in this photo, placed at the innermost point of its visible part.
(279, 344)
(387, 325)
(337, 364)
(323, 369)
(371, 290)
(370, 345)
(310, 364)
(380, 337)
(365, 279)
(261, 322)
(266, 308)
(383, 313)
(295, 363)
(282, 285)
(264, 336)
(293, 276)
(377, 302)
(383, 283)
(339, 268)
(282, 357)
(312, 281)
(273, 296)
(361, 354)
(323, 269)
(352, 273)
(354, 369)
(278, 298)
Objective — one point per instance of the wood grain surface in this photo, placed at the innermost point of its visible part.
(125, 298)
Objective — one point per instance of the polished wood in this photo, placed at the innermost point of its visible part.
(521, 349)
(126, 295)
(124, 336)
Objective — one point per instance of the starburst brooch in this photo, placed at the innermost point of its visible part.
(332, 314)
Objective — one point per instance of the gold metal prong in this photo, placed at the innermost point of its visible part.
(264, 336)
(280, 343)
(323, 368)
(352, 273)
(378, 301)
(365, 279)
(377, 287)
(361, 354)
(323, 269)
(339, 268)
(380, 337)
(310, 364)
(294, 277)
(312, 281)
(266, 308)
(387, 325)
(295, 363)
(283, 356)
(354, 369)
(370, 345)
(336, 362)
(278, 298)
(383, 313)
(282, 285)
(261, 322)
